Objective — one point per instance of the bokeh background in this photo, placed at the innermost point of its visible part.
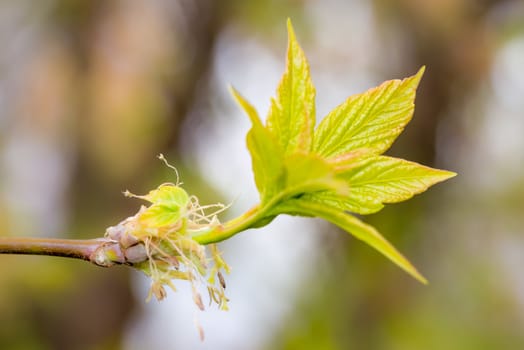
(92, 91)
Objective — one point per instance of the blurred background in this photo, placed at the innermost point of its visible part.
(92, 91)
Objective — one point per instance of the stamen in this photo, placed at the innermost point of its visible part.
(162, 158)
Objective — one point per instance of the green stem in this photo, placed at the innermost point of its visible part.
(232, 227)
(102, 252)
(244, 221)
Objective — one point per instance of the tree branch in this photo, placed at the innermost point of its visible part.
(103, 252)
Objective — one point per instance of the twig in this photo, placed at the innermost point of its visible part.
(103, 252)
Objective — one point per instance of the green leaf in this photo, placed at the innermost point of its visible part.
(351, 224)
(362, 206)
(376, 180)
(291, 116)
(308, 173)
(169, 195)
(159, 215)
(370, 120)
(169, 204)
(392, 180)
(349, 160)
(266, 155)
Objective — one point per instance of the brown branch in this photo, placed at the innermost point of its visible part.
(103, 252)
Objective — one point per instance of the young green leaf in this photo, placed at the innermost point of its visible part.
(376, 180)
(370, 120)
(365, 205)
(308, 173)
(291, 116)
(169, 204)
(351, 224)
(169, 195)
(266, 154)
(337, 167)
(159, 215)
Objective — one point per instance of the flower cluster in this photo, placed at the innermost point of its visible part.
(158, 240)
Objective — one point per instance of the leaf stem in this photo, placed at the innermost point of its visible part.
(247, 220)
(232, 227)
(101, 251)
